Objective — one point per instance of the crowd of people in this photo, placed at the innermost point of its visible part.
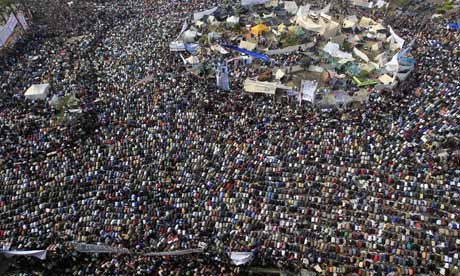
(174, 163)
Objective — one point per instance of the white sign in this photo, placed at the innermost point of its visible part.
(308, 89)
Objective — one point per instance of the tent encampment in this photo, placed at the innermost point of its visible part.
(37, 91)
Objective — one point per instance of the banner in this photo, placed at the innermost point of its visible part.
(40, 254)
(240, 258)
(308, 89)
(94, 248)
(176, 46)
(222, 77)
(148, 78)
(198, 15)
(395, 38)
(22, 20)
(11, 23)
(7, 30)
(175, 253)
(253, 2)
(453, 26)
(184, 27)
(4, 35)
(249, 53)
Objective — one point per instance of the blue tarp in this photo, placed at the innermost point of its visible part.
(192, 48)
(454, 26)
(246, 52)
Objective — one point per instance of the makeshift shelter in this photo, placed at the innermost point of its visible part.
(193, 60)
(360, 54)
(37, 91)
(291, 7)
(199, 23)
(282, 28)
(350, 22)
(322, 26)
(263, 87)
(189, 36)
(213, 36)
(233, 20)
(259, 29)
(333, 49)
(247, 45)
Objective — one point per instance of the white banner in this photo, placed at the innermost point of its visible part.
(240, 258)
(184, 27)
(222, 77)
(94, 248)
(8, 29)
(148, 78)
(4, 34)
(253, 2)
(40, 254)
(395, 38)
(198, 15)
(175, 253)
(22, 20)
(12, 22)
(308, 89)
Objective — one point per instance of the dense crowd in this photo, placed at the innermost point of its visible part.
(174, 162)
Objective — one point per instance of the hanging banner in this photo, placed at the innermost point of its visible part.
(22, 20)
(40, 254)
(94, 248)
(4, 35)
(175, 253)
(253, 2)
(184, 27)
(7, 30)
(249, 53)
(11, 23)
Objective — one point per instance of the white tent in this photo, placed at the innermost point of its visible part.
(333, 49)
(37, 91)
(247, 45)
(350, 21)
(189, 36)
(360, 54)
(192, 60)
(233, 20)
(291, 7)
(253, 86)
(395, 40)
(323, 26)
